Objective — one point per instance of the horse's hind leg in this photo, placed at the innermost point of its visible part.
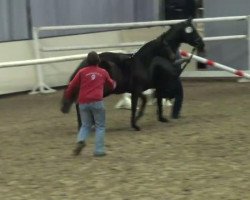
(134, 101)
(160, 111)
(142, 107)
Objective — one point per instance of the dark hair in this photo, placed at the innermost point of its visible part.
(93, 58)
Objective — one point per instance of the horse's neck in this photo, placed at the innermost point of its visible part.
(174, 36)
(150, 49)
(175, 47)
(147, 48)
(173, 41)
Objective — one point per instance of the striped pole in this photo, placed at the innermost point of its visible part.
(212, 63)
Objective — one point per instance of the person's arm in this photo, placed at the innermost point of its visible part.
(111, 83)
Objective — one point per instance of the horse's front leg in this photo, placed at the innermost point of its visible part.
(178, 100)
(134, 101)
(142, 107)
(160, 111)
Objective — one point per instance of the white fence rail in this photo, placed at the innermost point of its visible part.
(138, 24)
(131, 44)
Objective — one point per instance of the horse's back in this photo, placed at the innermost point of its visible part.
(117, 65)
(117, 58)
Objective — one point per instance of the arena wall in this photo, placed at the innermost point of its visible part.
(16, 79)
(24, 78)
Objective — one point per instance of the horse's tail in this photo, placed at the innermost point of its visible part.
(65, 103)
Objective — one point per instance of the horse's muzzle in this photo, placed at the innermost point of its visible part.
(200, 45)
(201, 49)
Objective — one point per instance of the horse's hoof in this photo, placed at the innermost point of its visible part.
(136, 128)
(163, 119)
(175, 117)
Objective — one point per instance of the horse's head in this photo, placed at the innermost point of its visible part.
(191, 36)
(185, 32)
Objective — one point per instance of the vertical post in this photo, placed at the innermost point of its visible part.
(248, 50)
(41, 86)
(248, 41)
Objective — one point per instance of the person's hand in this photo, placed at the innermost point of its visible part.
(115, 84)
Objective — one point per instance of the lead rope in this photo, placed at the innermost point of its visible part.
(188, 61)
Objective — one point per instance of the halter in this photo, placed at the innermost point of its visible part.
(188, 60)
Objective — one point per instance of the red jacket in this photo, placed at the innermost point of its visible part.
(89, 81)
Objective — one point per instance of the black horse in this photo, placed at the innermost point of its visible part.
(138, 72)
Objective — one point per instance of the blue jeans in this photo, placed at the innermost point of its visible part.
(93, 114)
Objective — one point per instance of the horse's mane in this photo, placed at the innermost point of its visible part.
(171, 32)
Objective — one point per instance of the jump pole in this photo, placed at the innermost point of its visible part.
(212, 63)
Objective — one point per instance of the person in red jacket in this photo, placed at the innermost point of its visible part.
(89, 83)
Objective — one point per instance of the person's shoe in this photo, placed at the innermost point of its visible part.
(100, 154)
(79, 147)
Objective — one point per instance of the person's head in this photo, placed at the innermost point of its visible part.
(93, 58)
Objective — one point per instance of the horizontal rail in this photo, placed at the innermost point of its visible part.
(230, 37)
(137, 24)
(131, 44)
(128, 44)
(46, 60)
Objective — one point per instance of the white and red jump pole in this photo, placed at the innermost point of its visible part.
(212, 63)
